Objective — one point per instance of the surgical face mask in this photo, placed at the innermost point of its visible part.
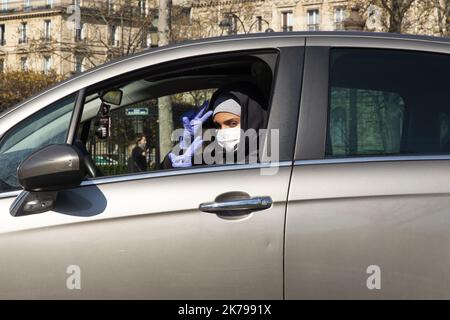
(229, 138)
(142, 146)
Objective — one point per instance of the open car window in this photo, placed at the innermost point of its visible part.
(154, 104)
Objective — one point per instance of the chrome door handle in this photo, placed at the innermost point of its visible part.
(237, 207)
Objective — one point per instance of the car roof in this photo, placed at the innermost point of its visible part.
(275, 35)
(417, 39)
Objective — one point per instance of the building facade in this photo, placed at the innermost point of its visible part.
(244, 16)
(69, 36)
(45, 35)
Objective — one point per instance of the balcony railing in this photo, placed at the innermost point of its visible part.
(23, 40)
(27, 9)
(339, 26)
(114, 43)
(313, 27)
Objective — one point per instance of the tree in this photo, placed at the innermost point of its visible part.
(165, 103)
(16, 86)
(442, 10)
(107, 30)
(393, 12)
(126, 21)
(396, 10)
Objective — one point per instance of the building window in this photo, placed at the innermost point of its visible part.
(26, 5)
(143, 7)
(2, 65)
(4, 5)
(259, 23)
(110, 5)
(47, 30)
(46, 64)
(113, 36)
(232, 22)
(49, 3)
(185, 16)
(79, 64)
(23, 33)
(339, 16)
(2, 35)
(79, 32)
(144, 39)
(23, 64)
(313, 20)
(152, 37)
(287, 21)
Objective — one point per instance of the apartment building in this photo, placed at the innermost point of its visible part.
(44, 34)
(69, 36)
(244, 16)
(213, 18)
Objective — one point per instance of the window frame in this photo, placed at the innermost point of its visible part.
(47, 30)
(313, 118)
(285, 93)
(174, 65)
(339, 16)
(287, 20)
(313, 19)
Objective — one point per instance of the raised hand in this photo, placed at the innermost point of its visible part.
(192, 128)
(185, 160)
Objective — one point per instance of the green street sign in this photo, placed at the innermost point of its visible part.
(136, 111)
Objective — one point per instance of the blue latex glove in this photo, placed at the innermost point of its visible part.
(185, 160)
(192, 128)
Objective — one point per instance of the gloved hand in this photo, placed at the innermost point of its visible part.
(192, 128)
(185, 160)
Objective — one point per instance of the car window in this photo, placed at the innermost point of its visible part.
(145, 130)
(43, 128)
(388, 102)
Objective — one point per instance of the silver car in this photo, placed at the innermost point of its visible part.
(357, 204)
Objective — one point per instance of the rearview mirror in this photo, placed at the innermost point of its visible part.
(113, 96)
(43, 173)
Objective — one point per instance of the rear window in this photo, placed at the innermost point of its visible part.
(388, 102)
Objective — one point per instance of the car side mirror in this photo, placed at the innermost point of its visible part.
(43, 173)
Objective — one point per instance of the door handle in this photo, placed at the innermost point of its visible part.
(237, 206)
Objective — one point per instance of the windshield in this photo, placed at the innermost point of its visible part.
(46, 127)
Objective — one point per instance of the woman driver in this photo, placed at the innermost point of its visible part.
(233, 110)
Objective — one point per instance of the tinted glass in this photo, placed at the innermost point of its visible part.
(387, 102)
(46, 127)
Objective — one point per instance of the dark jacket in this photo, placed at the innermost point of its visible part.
(137, 162)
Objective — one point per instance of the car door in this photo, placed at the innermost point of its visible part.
(143, 235)
(369, 201)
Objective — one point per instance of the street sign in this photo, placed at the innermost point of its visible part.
(136, 111)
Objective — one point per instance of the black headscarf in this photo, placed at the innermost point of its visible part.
(253, 112)
(253, 108)
(253, 105)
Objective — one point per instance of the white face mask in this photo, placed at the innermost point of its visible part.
(229, 138)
